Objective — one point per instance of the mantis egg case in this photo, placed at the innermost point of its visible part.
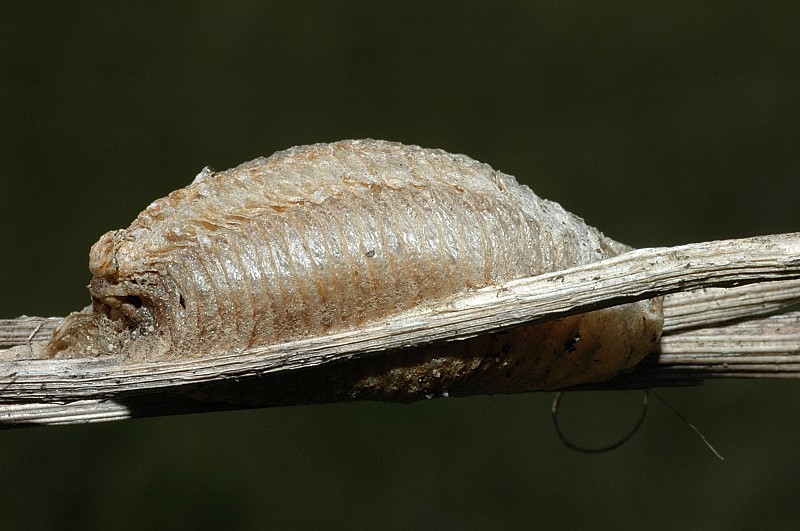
(321, 238)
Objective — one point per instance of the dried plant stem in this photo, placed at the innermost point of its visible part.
(696, 343)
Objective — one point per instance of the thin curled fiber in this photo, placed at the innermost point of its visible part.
(322, 238)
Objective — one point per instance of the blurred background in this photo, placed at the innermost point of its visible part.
(660, 124)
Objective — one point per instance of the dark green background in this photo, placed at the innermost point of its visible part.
(660, 124)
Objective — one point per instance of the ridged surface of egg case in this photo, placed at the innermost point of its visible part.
(329, 237)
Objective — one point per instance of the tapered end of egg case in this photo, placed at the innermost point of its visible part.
(123, 319)
(122, 309)
(87, 334)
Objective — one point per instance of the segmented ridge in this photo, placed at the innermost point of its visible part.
(320, 238)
